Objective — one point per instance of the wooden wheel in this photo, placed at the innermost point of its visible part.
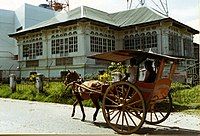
(124, 107)
(159, 110)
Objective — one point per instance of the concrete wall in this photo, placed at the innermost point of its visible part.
(29, 15)
(25, 16)
(7, 44)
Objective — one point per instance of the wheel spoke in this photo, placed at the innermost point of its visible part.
(118, 97)
(111, 106)
(136, 114)
(126, 121)
(134, 102)
(122, 90)
(134, 109)
(118, 118)
(127, 92)
(155, 115)
(111, 100)
(132, 97)
(115, 115)
(111, 112)
(122, 121)
(131, 118)
(127, 107)
(157, 109)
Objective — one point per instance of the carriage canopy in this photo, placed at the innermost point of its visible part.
(123, 55)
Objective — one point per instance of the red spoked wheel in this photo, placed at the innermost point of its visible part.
(159, 110)
(124, 107)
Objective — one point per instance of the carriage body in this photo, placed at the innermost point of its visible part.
(127, 105)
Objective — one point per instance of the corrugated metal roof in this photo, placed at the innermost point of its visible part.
(119, 19)
(135, 16)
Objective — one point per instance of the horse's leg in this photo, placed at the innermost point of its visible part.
(82, 109)
(79, 99)
(95, 100)
(107, 109)
(74, 106)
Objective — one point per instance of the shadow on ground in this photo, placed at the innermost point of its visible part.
(167, 130)
(154, 130)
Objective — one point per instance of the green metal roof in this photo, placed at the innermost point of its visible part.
(119, 19)
(135, 16)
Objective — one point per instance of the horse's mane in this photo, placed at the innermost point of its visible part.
(72, 76)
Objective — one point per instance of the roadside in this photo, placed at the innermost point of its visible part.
(28, 117)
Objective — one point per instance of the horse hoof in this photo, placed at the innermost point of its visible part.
(83, 120)
(72, 115)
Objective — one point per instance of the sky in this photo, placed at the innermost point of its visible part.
(184, 11)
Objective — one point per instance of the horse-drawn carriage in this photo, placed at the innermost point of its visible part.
(127, 105)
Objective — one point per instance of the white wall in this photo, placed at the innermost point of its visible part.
(29, 15)
(25, 16)
(6, 27)
(7, 44)
(35, 15)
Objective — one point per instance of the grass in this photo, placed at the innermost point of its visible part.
(187, 96)
(52, 92)
(184, 97)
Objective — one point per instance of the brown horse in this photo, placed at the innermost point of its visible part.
(83, 91)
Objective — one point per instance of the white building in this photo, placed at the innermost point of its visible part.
(64, 41)
(10, 22)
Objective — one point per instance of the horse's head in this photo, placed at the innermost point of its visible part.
(71, 77)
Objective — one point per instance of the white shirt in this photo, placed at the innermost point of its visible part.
(132, 70)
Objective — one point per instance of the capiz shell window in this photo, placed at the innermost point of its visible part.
(63, 44)
(101, 42)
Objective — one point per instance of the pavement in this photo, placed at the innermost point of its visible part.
(35, 118)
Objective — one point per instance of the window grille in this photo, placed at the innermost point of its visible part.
(101, 42)
(65, 44)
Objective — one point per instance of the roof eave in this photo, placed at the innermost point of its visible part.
(44, 27)
(175, 23)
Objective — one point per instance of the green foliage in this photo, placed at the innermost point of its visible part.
(5, 91)
(185, 97)
(56, 92)
(105, 77)
(32, 77)
(116, 67)
(53, 92)
(179, 86)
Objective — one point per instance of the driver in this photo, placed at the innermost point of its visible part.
(150, 73)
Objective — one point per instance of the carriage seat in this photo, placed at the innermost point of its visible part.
(154, 91)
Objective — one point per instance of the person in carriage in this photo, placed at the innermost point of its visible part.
(150, 75)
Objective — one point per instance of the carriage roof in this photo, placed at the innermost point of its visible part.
(123, 55)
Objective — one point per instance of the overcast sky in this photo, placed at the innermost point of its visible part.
(185, 11)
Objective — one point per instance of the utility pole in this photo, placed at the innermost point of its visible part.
(160, 6)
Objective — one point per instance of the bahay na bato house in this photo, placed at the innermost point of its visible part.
(64, 41)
